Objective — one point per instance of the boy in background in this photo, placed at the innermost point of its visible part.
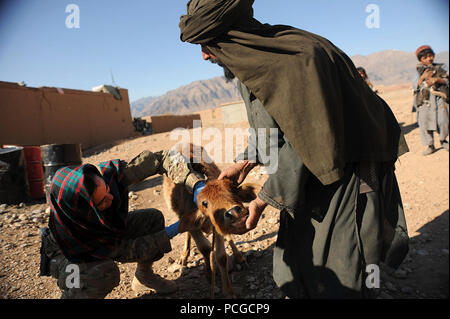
(431, 99)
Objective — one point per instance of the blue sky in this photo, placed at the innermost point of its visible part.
(139, 39)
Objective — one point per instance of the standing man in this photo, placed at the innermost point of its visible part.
(432, 103)
(335, 187)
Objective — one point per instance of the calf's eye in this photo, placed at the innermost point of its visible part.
(205, 204)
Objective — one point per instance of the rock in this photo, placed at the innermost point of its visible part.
(3, 208)
(134, 197)
(37, 211)
(48, 210)
(9, 246)
(173, 268)
(170, 260)
(273, 220)
(130, 194)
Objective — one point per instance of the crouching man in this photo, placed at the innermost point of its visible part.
(90, 227)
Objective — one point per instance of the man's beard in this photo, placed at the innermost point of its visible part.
(229, 76)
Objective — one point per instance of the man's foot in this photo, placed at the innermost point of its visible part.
(145, 279)
(444, 145)
(430, 150)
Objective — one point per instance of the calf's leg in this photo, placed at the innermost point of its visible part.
(204, 247)
(187, 249)
(238, 257)
(222, 262)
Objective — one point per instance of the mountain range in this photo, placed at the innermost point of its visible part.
(387, 67)
(196, 96)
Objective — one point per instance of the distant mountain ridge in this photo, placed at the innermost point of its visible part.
(392, 66)
(196, 96)
(385, 67)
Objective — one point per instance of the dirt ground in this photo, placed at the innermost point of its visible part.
(424, 185)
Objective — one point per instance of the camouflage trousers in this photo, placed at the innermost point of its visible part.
(145, 241)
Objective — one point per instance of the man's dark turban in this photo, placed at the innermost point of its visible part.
(309, 86)
(207, 20)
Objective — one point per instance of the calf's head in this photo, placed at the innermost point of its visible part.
(222, 201)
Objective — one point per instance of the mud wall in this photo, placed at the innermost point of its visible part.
(166, 123)
(47, 115)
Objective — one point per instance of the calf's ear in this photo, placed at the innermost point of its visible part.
(248, 192)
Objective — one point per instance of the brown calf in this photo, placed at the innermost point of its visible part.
(220, 211)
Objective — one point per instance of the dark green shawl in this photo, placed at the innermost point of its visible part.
(309, 86)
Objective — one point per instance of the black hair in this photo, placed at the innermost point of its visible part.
(424, 53)
(90, 173)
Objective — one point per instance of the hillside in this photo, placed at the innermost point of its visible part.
(385, 67)
(196, 96)
(392, 66)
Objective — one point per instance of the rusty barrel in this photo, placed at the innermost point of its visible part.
(35, 171)
(13, 176)
(55, 156)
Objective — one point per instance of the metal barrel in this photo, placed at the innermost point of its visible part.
(13, 176)
(55, 156)
(35, 171)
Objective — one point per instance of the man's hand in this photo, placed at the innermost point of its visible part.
(238, 172)
(256, 208)
(247, 223)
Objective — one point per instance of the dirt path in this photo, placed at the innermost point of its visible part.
(424, 184)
